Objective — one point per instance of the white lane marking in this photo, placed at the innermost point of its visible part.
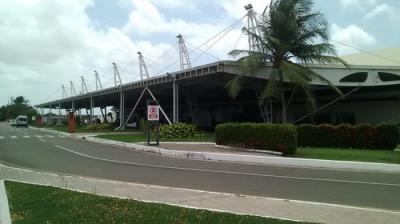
(62, 136)
(1, 137)
(49, 136)
(227, 172)
(42, 140)
(14, 137)
(38, 136)
(27, 136)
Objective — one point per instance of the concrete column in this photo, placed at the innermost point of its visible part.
(122, 109)
(175, 101)
(91, 108)
(59, 113)
(49, 114)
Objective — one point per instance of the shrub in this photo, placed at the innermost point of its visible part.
(387, 136)
(98, 127)
(383, 136)
(178, 130)
(273, 137)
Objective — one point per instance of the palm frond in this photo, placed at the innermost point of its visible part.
(272, 88)
(302, 73)
(234, 86)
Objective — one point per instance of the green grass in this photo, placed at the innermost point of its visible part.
(205, 137)
(361, 155)
(40, 204)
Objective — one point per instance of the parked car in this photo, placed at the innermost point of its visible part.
(13, 122)
(22, 121)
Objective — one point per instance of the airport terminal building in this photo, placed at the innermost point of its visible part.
(371, 94)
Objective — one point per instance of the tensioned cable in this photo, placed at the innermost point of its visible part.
(215, 42)
(365, 51)
(204, 51)
(234, 24)
(162, 55)
(237, 42)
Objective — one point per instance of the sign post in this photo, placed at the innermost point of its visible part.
(153, 122)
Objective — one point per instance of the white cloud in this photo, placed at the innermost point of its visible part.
(235, 8)
(358, 4)
(45, 43)
(351, 35)
(146, 20)
(385, 11)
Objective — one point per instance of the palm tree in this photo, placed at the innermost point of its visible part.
(293, 37)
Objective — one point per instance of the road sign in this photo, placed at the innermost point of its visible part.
(153, 113)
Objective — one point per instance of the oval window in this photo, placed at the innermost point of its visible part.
(387, 77)
(355, 77)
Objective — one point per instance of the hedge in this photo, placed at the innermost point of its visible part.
(273, 137)
(363, 136)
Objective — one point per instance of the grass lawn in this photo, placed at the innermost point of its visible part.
(39, 204)
(205, 137)
(361, 155)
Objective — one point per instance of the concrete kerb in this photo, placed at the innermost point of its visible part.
(215, 201)
(5, 217)
(267, 160)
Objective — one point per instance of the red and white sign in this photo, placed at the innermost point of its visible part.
(153, 113)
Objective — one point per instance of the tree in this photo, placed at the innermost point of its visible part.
(293, 37)
(19, 106)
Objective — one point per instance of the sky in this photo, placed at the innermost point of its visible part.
(47, 43)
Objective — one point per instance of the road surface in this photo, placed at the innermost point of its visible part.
(38, 150)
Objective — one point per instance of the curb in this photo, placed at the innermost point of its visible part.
(5, 217)
(254, 159)
(279, 208)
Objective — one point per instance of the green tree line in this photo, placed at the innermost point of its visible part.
(18, 106)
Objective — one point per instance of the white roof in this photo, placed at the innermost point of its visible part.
(382, 57)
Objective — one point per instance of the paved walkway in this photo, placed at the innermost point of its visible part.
(268, 207)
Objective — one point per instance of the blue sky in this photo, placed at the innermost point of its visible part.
(46, 43)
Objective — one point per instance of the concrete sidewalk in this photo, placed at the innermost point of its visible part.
(208, 151)
(261, 206)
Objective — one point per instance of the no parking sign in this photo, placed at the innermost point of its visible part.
(153, 113)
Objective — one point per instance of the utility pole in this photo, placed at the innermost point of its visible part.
(144, 73)
(183, 54)
(98, 83)
(117, 77)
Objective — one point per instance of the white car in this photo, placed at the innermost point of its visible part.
(13, 122)
(22, 121)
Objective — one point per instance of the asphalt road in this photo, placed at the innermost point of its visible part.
(39, 150)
